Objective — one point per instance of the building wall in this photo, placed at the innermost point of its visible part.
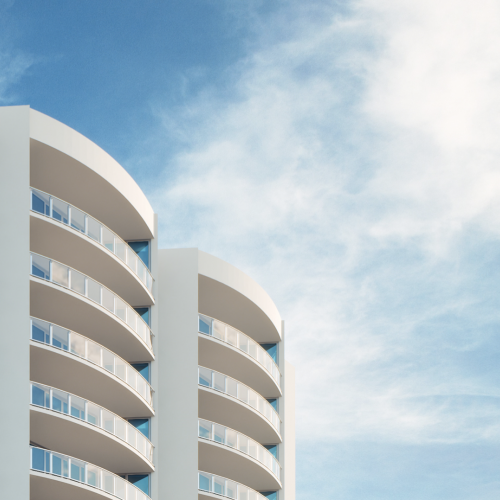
(14, 301)
(177, 389)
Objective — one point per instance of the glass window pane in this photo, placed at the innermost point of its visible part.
(252, 348)
(219, 330)
(120, 309)
(93, 291)
(60, 337)
(231, 438)
(252, 398)
(219, 433)
(108, 482)
(77, 470)
(94, 229)
(204, 429)
(121, 368)
(204, 481)
(243, 443)
(77, 282)
(243, 393)
(108, 360)
(243, 342)
(94, 352)
(60, 210)
(77, 219)
(77, 409)
(120, 487)
(40, 267)
(121, 429)
(205, 377)
(40, 330)
(120, 249)
(205, 325)
(219, 485)
(252, 448)
(77, 345)
(40, 395)
(93, 414)
(40, 202)
(132, 318)
(60, 401)
(108, 239)
(60, 274)
(131, 435)
(108, 299)
(108, 421)
(232, 336)
(93, 476)
(231, 489)
(219, 382)
(231, 387)
(131, 259)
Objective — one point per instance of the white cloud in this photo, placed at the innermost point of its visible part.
(355, 173)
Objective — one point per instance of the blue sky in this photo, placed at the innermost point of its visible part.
(345, 155)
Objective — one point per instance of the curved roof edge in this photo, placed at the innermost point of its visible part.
(220, 270)
(59, 136)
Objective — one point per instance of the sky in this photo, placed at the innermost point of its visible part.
(346, 155)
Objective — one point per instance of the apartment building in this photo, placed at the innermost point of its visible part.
(128, 372)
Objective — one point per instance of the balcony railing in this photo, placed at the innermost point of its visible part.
(221, 331)
(235, 389)
(74, 343)
(226, 488)
(59, 210)
(50, 462)
(234, 439)
(81, 409)
(67, 277)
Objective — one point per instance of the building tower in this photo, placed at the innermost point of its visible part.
(130, 372)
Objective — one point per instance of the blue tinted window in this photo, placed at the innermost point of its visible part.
(141, 248)
(37, 456)
(141, 424)
(38, 205)
(272, 495)
(204, 482)
(272, 350)
(143, 369)
(141, 481)
(38, 334)
(204, 327)
(37, 396)
(273, 403)
(273, 449)
(143, 312)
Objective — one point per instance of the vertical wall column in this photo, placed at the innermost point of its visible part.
(154, 378)
(14, 301)
(289, 433)
(177, 389)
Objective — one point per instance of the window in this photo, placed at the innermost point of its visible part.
(272, 350)
(141, 248)
(143, 369)
(141, 424)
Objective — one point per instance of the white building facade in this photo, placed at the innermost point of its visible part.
(129, 372)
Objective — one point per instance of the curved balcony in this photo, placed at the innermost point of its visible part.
(98, 374)
(96, 311)
(212, 486)
(251, 413)
(68, 216)
(56, 476)
(230, 360)
(226, 452)
(87, 430)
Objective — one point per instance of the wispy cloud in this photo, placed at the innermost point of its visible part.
(352, 167)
